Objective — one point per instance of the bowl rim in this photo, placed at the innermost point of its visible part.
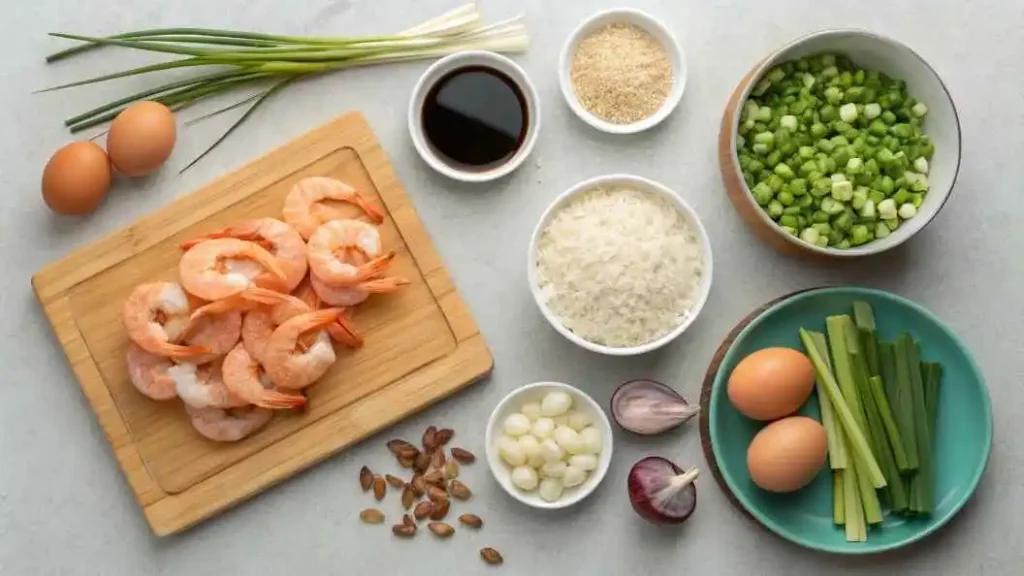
(649, 185)
(867, 548)
(758, 72)
(595, 478)
(679, 71)
(486, 58)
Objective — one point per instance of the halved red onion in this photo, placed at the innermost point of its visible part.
(662, 492)
(647, 407)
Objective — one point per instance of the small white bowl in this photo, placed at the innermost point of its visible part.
(655, 28)
(461, 60)
(638, 183)
(535, 392)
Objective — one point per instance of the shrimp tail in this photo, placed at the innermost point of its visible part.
(178, 351)
(319, 319)
(246, 230)
(369, 207)
(344, 333)
(268, 261)
(265, 296)
(376, 267)
(279, 400)
(383, 285)
(229, 304)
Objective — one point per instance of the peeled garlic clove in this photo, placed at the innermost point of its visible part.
(647, 407)
(568, 439)
(553, 469)
(524, 478)
(531, 410)
(562, 420)
(555, 403)
(551, 489)
(511, 451)
(585, 462)
(590, 440)
(573, 477)
(531, 447)
(577, 420)
(543, 428)
(517, 425)
(551, 451)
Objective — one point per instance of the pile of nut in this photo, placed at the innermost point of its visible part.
(435, 477)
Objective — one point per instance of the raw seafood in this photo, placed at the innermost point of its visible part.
(304, 207)
(155, 315)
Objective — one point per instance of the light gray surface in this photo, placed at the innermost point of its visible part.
(65, 508)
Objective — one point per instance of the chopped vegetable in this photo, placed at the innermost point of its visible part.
(922, 481)
(847, 140)
(904, 403)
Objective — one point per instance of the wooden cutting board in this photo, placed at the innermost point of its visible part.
(421, 342)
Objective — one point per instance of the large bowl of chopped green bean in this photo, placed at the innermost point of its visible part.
(842, 143)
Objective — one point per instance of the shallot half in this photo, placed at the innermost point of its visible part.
(662, 492)
(647, 407)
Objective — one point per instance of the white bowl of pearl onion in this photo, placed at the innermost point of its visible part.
(548, 444)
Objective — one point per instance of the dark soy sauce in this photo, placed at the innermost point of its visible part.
(475, 117)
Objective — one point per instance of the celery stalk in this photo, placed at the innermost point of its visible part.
(856, 531)
(887, 364)
(835, 326)
(872, 429)
(903, 406)
(923, 478)
(837, 456)
(857, 442)
(838, 508)
(885, 413)
(884, 448)
(932, 377)
(864, 317)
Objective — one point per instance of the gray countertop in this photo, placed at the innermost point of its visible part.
(66, 509)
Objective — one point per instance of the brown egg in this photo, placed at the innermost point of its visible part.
(787, 454)
(76, 179)
(771, 383)
(141, 138)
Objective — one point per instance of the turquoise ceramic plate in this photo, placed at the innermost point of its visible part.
(963, 436)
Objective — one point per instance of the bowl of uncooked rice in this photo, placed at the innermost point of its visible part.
(620, 265)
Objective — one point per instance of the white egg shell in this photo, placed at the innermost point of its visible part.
(551, 451)
(590, 438)
(553, 469)
(568, 439)
(543, 428)
(585, 462)
(573, 477)
(511, 451)
(517, 424)
(550, 489)
(555, 403)
(577, 420)
(525, 478)
(531, 410)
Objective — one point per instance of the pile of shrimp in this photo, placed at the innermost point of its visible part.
(257, 311)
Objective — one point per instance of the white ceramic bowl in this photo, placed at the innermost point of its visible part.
(638, 183)
(461, 60)
(535, 392)
(655, 28)
(872, 52)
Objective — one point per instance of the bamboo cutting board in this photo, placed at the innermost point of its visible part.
(421, 342)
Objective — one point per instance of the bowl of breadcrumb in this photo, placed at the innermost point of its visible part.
(622, 71)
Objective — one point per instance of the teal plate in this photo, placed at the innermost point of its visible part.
(963, 437)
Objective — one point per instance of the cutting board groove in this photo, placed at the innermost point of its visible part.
(421, 343)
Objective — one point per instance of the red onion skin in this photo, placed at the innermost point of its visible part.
(640, 499)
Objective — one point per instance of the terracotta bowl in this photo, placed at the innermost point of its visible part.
(873, 52)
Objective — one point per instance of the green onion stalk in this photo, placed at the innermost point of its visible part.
(231, 59)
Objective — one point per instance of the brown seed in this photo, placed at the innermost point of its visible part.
(437, 459)
(471, 520)
(402, 448)
(491, 556)
(443, 436)
(419, 485)
(463, 455)
(459, 490)
(441, 529)
(408, 497)
(365, 478)
(423, 509)
(422, 462)
(440, 510)
(394, 481)
(407, 520)
(371, 516)
(407, 462)
(451, 470)
(403, 530)
(380, 488)
(436, 494)
(435, 477)
(429, 441)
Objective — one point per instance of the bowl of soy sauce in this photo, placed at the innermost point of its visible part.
(474, 116)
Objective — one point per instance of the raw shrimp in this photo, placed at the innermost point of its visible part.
(290, 367)
(332, 249)
(260, 323)
(278, 238)
(203, 386)
(242, 377)
(305, 292)
(148, 372)
(155, 315)
(218, 331)
(304, 206)
(218, 268)
(352, 295)
(229, 425)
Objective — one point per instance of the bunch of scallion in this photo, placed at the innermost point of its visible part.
(231, 59)
(878, 403)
